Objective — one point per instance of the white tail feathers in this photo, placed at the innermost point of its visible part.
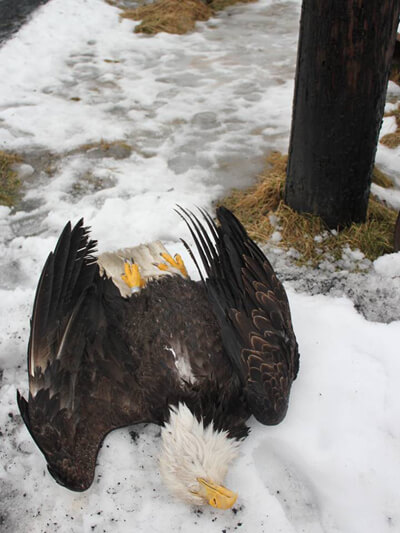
(145, 255)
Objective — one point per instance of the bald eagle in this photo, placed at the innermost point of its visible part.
(113, 345)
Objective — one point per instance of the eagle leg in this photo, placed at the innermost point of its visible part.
(175, 264)
(132, 277)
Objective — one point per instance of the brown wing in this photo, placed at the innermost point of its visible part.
(253, 312)
(80, 375)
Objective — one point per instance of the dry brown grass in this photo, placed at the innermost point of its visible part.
(106, 147)
(171, 16)
(9, 182)
(175, 16)
(381, 179)
(307, 234)
(392, 140)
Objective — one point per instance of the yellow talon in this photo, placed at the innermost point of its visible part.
(176, 263)
(162, 266)
(181, 265)
(132, 276)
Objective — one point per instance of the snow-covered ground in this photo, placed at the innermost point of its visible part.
(199, 113)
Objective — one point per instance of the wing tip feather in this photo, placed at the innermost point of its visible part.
(23, 408)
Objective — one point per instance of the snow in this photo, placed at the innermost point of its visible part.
(200, 112)
(388, 265)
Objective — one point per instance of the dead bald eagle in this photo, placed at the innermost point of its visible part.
(197, 358)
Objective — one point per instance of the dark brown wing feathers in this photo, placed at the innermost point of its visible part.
(252, 309)
(68, 271)
(78, 363)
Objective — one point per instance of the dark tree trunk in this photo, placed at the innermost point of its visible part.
(344, 56)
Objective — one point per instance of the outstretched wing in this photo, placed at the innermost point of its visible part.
(252, 309)
(80, 374)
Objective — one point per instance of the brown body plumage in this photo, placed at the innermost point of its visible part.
(98, 361)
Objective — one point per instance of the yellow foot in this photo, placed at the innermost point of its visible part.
(175, 264)
(132, 277)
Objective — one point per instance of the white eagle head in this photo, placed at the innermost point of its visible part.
(195, 459)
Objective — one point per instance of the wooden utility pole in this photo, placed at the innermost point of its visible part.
(344, 55)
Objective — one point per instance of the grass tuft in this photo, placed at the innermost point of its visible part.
(264, 214)
(171, 16)
(381, 179)
(9, 182)
(117, 149)
(175, 16)
(392, 140)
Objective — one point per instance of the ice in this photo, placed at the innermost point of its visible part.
(191, 98)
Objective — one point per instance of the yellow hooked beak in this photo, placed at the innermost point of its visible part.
(216, 495)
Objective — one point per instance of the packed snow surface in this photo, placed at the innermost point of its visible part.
(198, 114)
